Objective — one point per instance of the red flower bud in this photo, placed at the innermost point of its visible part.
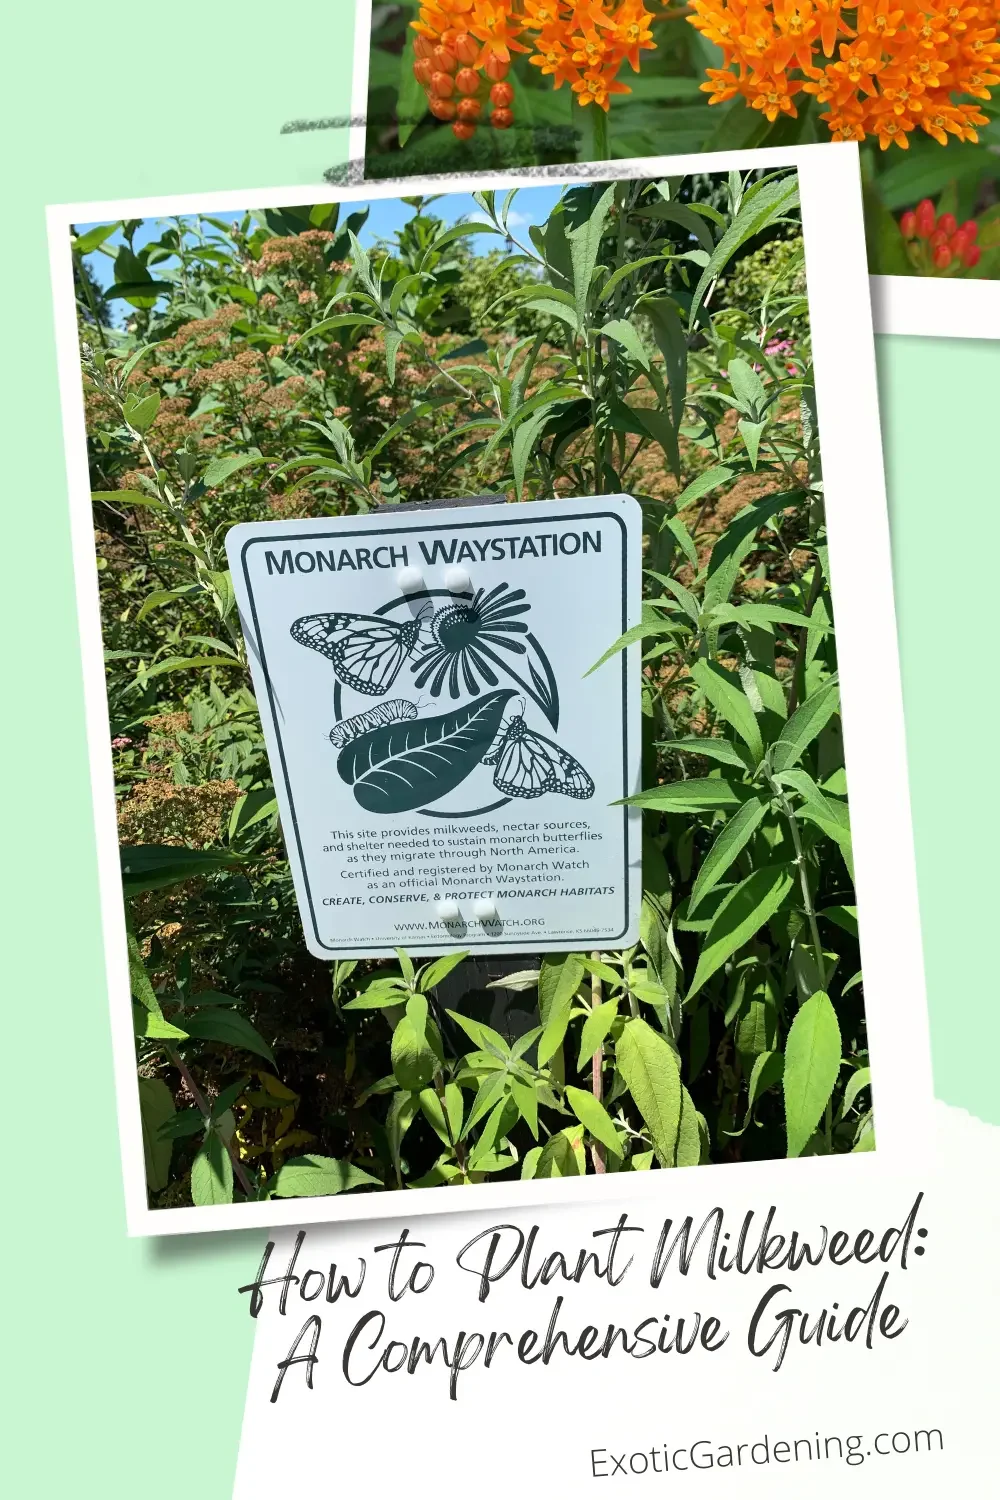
(467, 81)
(445, 60)
(442, 85)
(970, 228)
(925, 218)
(908, 224)
(469, 110)
(502, 119)
(971, 256)
(464, 129)
(959, 242)
(502, 95)
(423, 71)
(423, 46)
(495, 68)
(938, 238)
(465, 47)
(441, 109)
(942, 257)
(948, 223)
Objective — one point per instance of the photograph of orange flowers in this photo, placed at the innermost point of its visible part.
(480, 85)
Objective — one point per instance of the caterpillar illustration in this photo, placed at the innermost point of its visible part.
(393, 712)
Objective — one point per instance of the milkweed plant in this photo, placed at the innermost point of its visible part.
(650, 337)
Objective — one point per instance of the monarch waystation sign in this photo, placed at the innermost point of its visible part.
(446, 772)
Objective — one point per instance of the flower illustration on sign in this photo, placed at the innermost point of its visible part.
(467, 638)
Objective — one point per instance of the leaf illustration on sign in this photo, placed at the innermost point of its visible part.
(367, 651)
(400, 767)
(528, 765)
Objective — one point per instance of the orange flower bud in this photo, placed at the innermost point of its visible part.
(445, 60)
(423, 71)
(495, 68)
(939, 238)
(926, 218)
(971, 257)
(908, 224)
(442, 85)
(502, 94)
(502, 119)
(465, 130)
(969, 228)
(942, 257)
(441, 109)
(467, 81)
(465, 47)
(469, 110)
(423, 46)
(948, 223)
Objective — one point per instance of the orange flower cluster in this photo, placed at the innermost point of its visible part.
(905, 63)
(463, 52)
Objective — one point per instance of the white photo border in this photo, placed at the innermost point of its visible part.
(875, 748)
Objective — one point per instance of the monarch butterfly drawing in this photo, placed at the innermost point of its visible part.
(394, 711)
(528, 765)
(367, 651)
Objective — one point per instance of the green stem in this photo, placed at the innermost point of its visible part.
(602, 135)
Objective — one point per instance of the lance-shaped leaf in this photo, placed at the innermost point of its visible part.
(221, 1024)
(812, 1063)
(757, 213)
(649, 1068)
(723, 691)
(742, 914)
(699, 794)
(805, 724)
(592, 1114)
(584, 247)
(736, 834)
(626, 334)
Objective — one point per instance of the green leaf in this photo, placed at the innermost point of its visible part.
(592, 1114)
(218, 470)
(212, 1173)
(742, 914)
(767, 1070)
(156, 1108)
(860, 1079)
(699, 794)
(319, 1177)
(488, 1095)
(413, 1058)
(714, 747)
(757, 213)
(434, 1112)
(526, 1099)
(812, 1063)
(218, 1024)
(805, 724)
(399, 767)
(711, 479)
(626, 334)
(584, 248)
(751, 433)
(689, 1129)
(735, 835)
(140, 411)
(628, 269)
(484, 1036)
(648, 628)
(558, 982)
(648, 1066)
(83, 244)
(562, 1155)
(435, 972)
(723, 691)
(595, 1029)
(748, 388)
(152, 1025)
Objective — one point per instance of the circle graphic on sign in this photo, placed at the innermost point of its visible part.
(484, 671)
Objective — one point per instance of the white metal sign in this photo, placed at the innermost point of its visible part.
(446, 772)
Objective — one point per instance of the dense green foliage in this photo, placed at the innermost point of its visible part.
(274, 367)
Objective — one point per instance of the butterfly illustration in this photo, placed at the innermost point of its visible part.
(367, 651)
(528, 765)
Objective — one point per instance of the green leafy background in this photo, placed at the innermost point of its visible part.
(193, 101)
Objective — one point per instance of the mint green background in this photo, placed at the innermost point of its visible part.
(127, 1360)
